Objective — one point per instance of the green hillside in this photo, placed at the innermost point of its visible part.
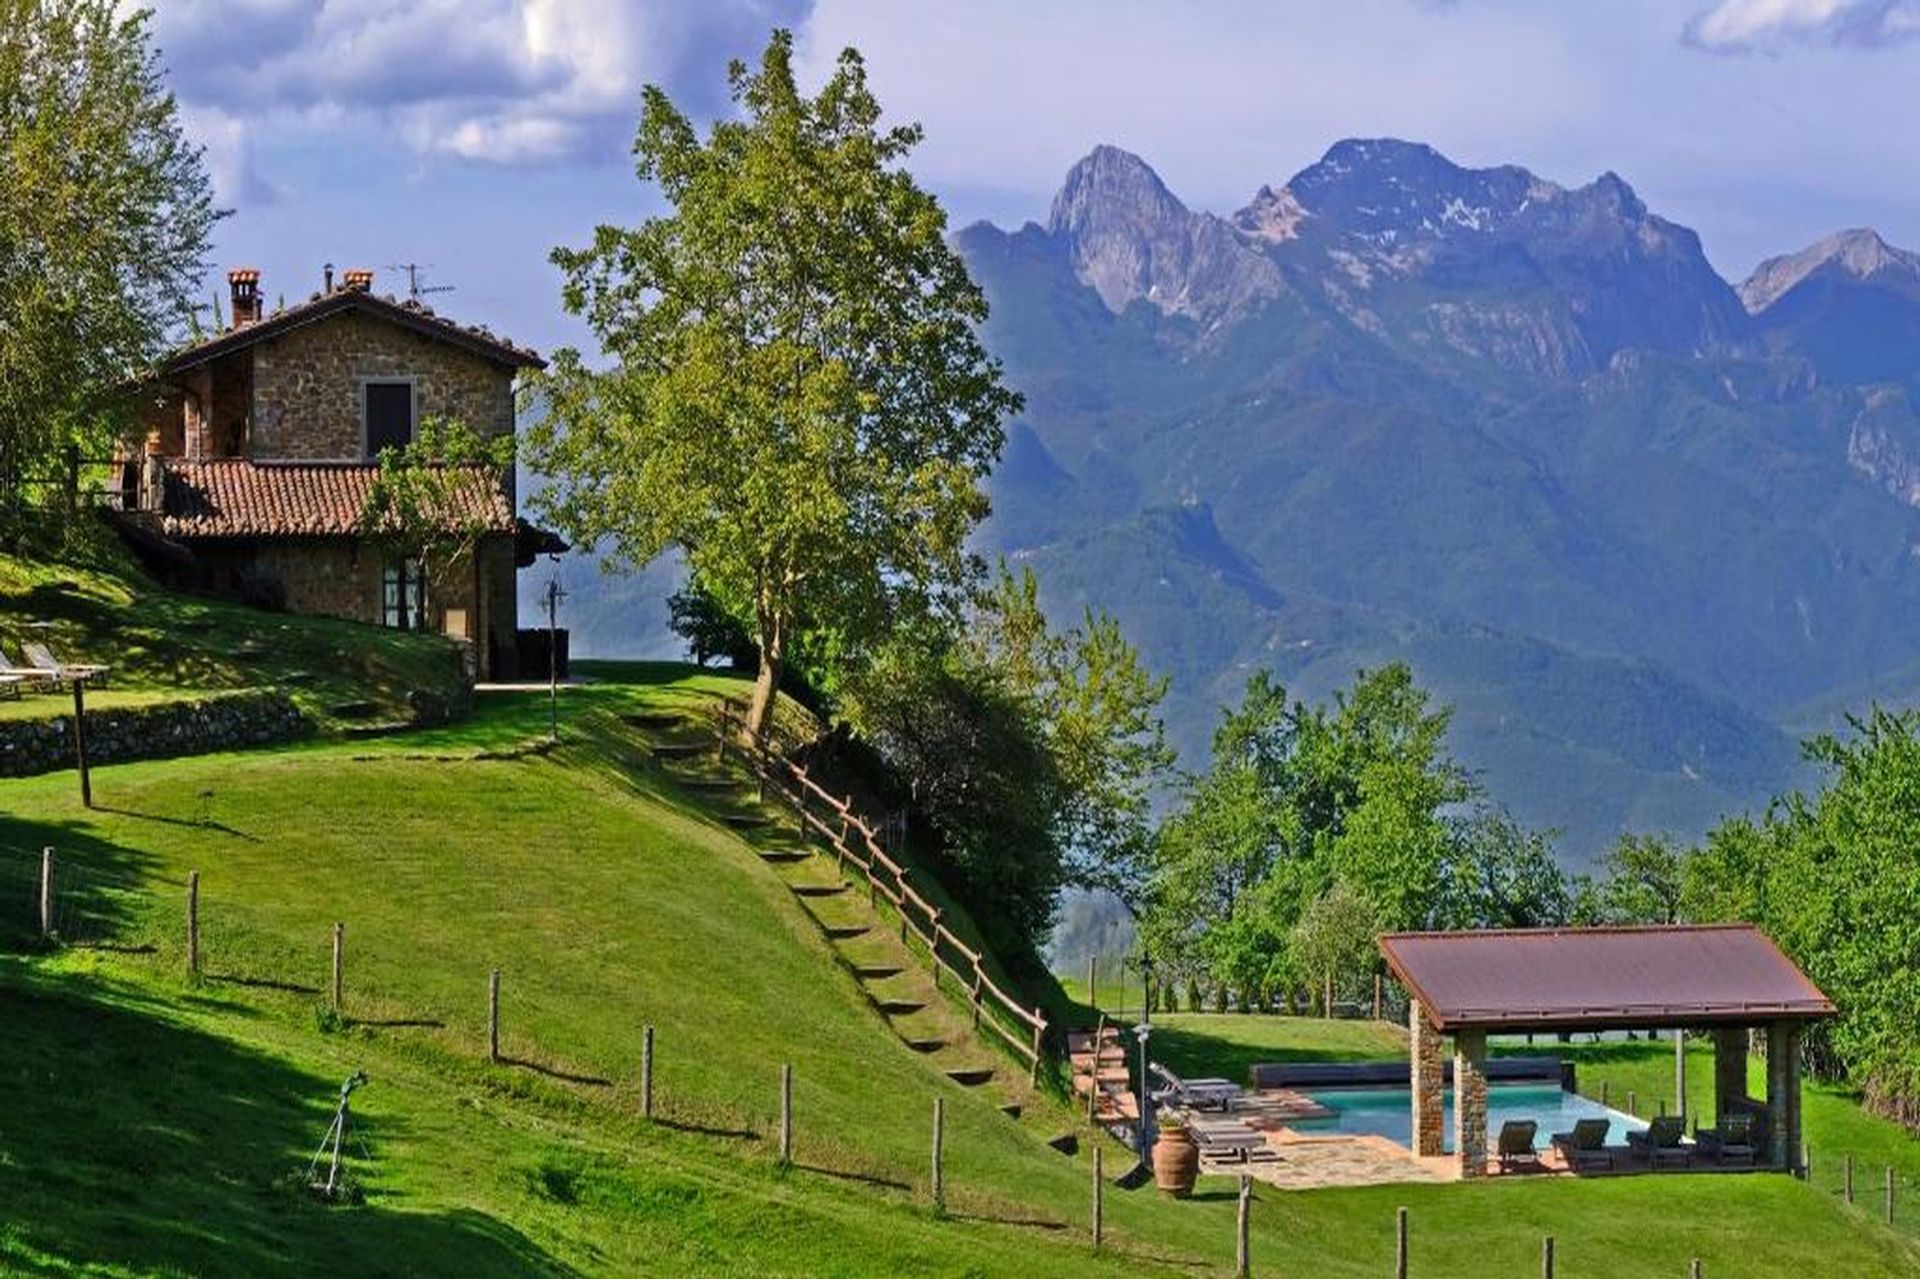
(158, 1124)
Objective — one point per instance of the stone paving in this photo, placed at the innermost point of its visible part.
(1322, 1162)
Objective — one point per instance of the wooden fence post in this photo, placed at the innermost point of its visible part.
(786, 1113)
(1603, 1093)
(1693, 1269)
(80, 743)
(339, 962)
(1400, 1244)
(939, 1151)
(193, 921)
(646, 1072)
(1242, 1262)
(1546, 1257)
(1326, 1000)
(1378, 984)
(1848, 1165)
(493, 1015)
(1033, 1072)
(1889, 1194)
(1633, 1103)
(1093, 981)
(46, 893)
(1098, 1188)
(978, 977)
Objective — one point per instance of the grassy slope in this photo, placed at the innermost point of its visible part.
(154, 1121)
(161, 644)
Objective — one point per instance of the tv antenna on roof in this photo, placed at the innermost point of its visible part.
(415, 272)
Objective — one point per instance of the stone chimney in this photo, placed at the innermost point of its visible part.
(245, 286)
(360, 280)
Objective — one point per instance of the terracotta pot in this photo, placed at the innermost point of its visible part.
(1176, 1162)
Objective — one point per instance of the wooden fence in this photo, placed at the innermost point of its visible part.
(855, 844)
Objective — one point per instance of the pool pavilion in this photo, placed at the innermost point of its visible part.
(1727, 980)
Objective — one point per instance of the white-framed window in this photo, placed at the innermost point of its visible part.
(403, 594)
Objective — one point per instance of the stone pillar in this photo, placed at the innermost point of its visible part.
(1428, 1080)
(1783, 1094)
(1729, 1070)
(1470, 1101)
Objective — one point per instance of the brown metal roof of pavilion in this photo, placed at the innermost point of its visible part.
(1599, 978)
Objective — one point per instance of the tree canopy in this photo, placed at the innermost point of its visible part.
(796, 395)
(105, 218)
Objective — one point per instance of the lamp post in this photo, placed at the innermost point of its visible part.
(554, 596)
(1142, 1031)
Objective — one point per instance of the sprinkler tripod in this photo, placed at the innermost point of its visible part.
(335, 1138)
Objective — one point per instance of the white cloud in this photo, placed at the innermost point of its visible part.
(507, 81)
(228, 147)
(1773, 26)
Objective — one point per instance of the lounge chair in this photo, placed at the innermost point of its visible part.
(10, 685)
(43, 678)
(1196, 1094)
(1514, 1147)
(1231, 1140)
(1663, 1142)
(1585, 1147)
(85, 672)
(1730, 1141)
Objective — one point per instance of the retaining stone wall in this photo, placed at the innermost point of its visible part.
(223, 721)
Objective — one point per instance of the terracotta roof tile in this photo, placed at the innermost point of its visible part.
(235, 497)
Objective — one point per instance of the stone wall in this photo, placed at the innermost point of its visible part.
(306, 385)
(334, 577)
(223, 721)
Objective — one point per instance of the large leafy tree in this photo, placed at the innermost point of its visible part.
(105, 216)
(797, 398)
(1295, 800)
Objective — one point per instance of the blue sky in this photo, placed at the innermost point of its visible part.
(474, 135)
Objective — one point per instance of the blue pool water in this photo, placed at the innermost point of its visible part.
(1389, 1112)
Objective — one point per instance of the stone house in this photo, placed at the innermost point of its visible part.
(259, 449)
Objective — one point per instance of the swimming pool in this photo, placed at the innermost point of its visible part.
(1389, 1112)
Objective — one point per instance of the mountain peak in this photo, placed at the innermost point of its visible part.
(1129, 238)
(1110, 182)
(1858, 253)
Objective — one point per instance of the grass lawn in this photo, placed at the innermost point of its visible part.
(153, 1123)
(162, 644)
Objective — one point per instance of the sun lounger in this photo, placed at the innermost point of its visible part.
(1514, 1146)
(10, 685)
(1231, 1141)
(1663, 1142)
(1196, 1094)
(86, 672)
(1585, 1148)
(33, 676)
(1730, 1141)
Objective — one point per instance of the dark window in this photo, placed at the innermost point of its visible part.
(403, 595)
(389, 408)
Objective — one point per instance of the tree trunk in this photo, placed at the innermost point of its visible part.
(765, 686)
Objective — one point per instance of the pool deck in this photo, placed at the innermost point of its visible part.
(1321, 1161)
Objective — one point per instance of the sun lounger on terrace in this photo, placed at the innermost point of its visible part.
(1514, 1147)
(1586, 1146)
(1663, 1142)
(86, 672)
(1730, 1141)
(1231, 1141)
(29, 676)
(10, 685)
(1196, 1094)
